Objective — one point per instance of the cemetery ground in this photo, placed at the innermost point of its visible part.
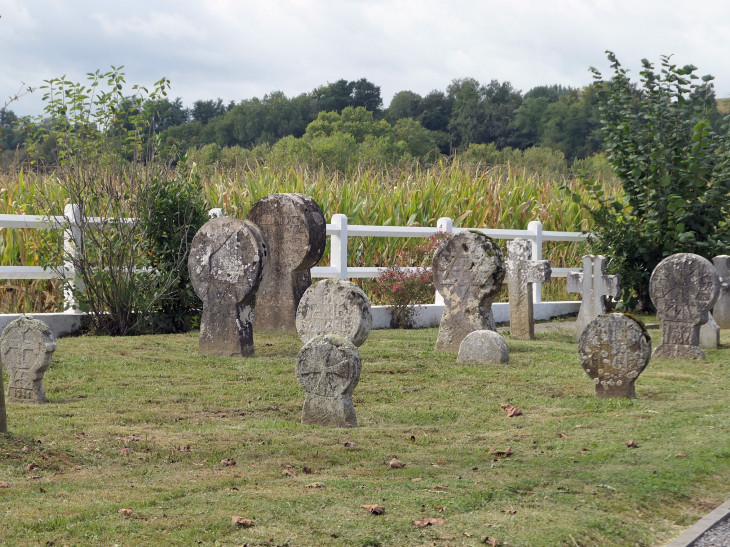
(146, 424)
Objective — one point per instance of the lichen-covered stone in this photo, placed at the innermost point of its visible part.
(683, 287)
(3, 413)
(593, 285)
(296, 232)
(614, 349)
(328, 368)
(522, 272)
(721, 310)
(483, 347)
(468, 270)
(710, 334)
(227, 261)
(334, 306)
(26, 350)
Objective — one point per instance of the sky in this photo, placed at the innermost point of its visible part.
(240, 49)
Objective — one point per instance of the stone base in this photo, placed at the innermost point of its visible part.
(329, 411)
(625, 391)
(22, 395)
(677, 351)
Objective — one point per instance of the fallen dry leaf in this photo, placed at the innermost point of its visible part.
(185, 448)
(506, 453)
(631, 444)
(681, 456)
(4, 484)
(25, 449)
(125, 512)
(416, 479)
(489, 540)
(314, 485)
(584, 449)
(509, 511)
(511, 410)
(562, 435)
(126, 451)
(493, 525)
(396, 464)
(447, 538)
(374, 509)
(440, 461)
(467, 534)
(441, 509)
(129, 439)
(228, 462)
(307, 470)
(289, 473)
(42, 490)
(428, 521)
(240, 521)
(31, 467)
(441, 487)
(350, 444)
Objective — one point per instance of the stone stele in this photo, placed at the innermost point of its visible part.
(334, 306)
(483, 347)
(296, 233)
(522, 272)
(328, 368)
(3, 414)
(683, 287)
(593, 285)
(468, 270)
(26, 350)
(614, 349)
(710, 334)
(721, 311)
(228, 258)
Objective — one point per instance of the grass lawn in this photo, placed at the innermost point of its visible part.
(156, 396)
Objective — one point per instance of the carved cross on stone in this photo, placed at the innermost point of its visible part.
(227, 261)
(683, 287)
(26, 348)
(522, 271)
(593, 284)
(295, 230)
(721, 311)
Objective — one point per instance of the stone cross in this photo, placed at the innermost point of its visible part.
(334, 306)
(593, 284)
(721, 311)
(614, 349)
(26, 350)
(228, 258)
(483, 347)
(295, 230)
(522, 271)
(683, 287)
(328, 368)
(468, 270)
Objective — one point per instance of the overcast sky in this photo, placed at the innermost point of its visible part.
(240, 49)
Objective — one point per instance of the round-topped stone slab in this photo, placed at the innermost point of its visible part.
(228, 258)
(334, 306)
(614, 349)
(483, 347)
(296, 232)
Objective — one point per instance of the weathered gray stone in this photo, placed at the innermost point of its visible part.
(483, 347)
(522, 272)
(334, 306)
(468, 270)
(296, 233)
(227, 261)
(683, 287)
(710, 334)
(328, 368)
(593, 284)
(3, 414)
(614, 349)
(721, 311)
(26, 350)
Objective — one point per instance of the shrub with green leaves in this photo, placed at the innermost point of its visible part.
(674, 170)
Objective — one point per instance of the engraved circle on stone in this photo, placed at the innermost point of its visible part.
(683, 286)
(325, 370)
(454, 266)
(607, 357)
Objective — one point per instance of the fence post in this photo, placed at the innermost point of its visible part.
(444, 224)
(535, 226)
(71, 246)
(338, 247)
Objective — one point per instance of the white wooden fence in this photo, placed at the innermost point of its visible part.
(338, 230)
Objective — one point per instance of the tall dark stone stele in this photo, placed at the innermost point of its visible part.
(468, 270)
(295, 230)
(227, 262)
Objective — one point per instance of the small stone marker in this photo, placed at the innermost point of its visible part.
(26, 349)
(710, 334)
(468, 270)
(334, 306)
(483, 347)
(614, 349)
(721, 311)
(522, 272)
(683, 287)
(296, 232)
(328, 368)
(226, 264)
(593, 284)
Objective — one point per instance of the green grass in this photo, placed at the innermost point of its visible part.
(439, 417)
